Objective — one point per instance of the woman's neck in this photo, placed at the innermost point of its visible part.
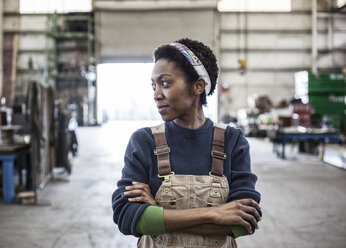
(192, 121)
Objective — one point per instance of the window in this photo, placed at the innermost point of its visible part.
(254, 5)
(51, 6)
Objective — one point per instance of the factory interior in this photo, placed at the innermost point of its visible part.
(75, 83)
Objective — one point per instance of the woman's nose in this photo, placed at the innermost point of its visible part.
(157, 94)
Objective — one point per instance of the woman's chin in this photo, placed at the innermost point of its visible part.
(166, 118)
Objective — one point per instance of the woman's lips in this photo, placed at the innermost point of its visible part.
(162, 108)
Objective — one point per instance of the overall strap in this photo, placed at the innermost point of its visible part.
(162, 150)
(218, 152)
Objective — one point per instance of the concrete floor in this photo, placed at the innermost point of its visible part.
(303, 200)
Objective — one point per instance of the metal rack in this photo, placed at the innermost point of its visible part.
(70, 67)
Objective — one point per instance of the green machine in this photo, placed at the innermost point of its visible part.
(327, 95)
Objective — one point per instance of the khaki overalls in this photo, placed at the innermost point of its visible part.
(188, 191)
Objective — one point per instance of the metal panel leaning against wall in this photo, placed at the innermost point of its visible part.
(133, 29)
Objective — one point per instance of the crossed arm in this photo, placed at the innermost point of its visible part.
(205, 221)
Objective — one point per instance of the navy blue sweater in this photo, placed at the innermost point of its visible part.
(190, 155)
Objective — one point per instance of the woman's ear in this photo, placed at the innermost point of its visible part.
(199, 86)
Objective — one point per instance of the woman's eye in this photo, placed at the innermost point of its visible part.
(153, 86)
(164, 83)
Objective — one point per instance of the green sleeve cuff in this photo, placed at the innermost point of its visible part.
(151, 222)
(238, 231)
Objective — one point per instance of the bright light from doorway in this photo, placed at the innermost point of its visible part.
(124, 92)
(341, 3)
(51, 6)
(254, 5)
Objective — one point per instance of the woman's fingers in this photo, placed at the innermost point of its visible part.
(249, 206)
(135, 199)
(249, 202)
(136, 192)
(140, 197)
(247, 226)
(239, 221)
(137, 185)
(239, 212)
(250, 218)
(252, 211)
(141, 193)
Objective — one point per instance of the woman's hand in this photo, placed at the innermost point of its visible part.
(239, 212)
(142, 192)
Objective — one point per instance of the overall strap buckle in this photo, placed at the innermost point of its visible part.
(218, 153)
(166, 178)
(162, 151)
(216, 178)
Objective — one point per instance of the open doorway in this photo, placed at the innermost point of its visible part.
(124, 92)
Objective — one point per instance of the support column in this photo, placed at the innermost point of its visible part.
(314, 45)
(216, 49)
(1, 44)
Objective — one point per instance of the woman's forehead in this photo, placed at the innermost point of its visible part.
(165, 66)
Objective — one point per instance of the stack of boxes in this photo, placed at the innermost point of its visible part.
(301, 114)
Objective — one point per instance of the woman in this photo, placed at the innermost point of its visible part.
(198, 171)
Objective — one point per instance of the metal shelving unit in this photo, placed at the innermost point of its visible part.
(70, 67)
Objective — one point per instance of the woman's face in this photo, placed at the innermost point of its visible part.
(173, 96)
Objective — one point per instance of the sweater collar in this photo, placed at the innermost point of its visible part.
(189, 132)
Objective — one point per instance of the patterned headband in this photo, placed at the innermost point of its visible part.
(196, 64)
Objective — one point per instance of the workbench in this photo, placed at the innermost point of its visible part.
(8, 155)
(299, 134)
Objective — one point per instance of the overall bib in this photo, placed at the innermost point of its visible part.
(188, 191)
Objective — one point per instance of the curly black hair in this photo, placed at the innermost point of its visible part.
(203, 52)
